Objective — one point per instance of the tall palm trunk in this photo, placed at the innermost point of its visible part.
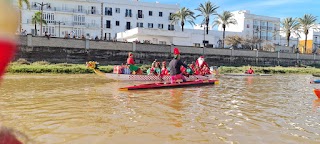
(223, 36)
(288, 39)
(35, 28)
(207, 24)
(182, 25)
(305, 43)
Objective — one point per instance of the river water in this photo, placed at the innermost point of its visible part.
(83, 109)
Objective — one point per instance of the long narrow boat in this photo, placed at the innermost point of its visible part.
(315, 81)
(243, 74)
(317, 92)
(131, 77)
(170, 85)
(316, 75)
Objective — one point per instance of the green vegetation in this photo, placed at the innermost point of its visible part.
(271, 70)
(23, 66)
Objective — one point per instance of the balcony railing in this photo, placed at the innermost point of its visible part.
(92, 25)
(70, 10)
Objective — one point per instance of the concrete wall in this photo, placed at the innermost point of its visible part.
(57, 50)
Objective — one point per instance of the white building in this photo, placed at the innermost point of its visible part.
(251, 25)
(313, 39)
(188, 37)
(102, 18)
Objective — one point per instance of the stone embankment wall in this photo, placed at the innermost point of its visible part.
(56, 50)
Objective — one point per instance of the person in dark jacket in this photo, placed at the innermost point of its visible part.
(175, 65)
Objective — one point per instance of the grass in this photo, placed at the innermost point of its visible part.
(23, 66)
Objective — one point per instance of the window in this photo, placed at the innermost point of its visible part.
(108, 24)
(140, 15)
(140, 24)
(80, 8)
(170, 18)
(78, 20)
(162, 42)
(48, 17)
(108, 11)
(128, 13)
(128, 26)
(248, 26)
(93, 10)
(117, 10)
(160, 14)
(150, 13)
(160, 26)
(150, 25)
(77, 32)
(117, 23)
(171, 27)
(49, 29)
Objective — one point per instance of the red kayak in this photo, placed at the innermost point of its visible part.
(170, 85)
(317, 92)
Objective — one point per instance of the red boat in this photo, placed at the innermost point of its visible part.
(170, 85)
(317, 92)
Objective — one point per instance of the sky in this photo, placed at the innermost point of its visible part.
(274, 8)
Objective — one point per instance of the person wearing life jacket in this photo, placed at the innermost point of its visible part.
(131, 63)
(175, 65)
(164, 70)
(202, 64)
(250, 71)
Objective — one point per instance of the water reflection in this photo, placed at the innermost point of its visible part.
(315, 104)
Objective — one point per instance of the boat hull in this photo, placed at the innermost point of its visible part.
(170, 85)
(316, 75)
(129, 77)
(317, 92)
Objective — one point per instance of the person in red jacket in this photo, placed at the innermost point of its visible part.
(164, 70)
(250, 71)
(130, 62)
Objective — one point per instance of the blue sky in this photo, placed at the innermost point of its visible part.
(275, 8)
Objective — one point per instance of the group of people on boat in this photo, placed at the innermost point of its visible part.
(176, 68)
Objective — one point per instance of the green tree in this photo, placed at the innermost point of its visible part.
(183, 15)
(289, 25)
(36, 18)
(20, 5)
(224, 19)
(207, 10)
(307, 22)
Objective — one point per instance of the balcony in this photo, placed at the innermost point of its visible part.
(92, 25)
(263, 27)
(270, 28)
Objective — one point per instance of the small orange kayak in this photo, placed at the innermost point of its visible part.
(317, 92)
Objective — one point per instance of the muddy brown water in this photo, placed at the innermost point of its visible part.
(82, 109)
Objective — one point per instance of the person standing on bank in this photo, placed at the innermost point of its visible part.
(175, 65)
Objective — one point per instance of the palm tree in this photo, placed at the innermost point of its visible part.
(206, 11)
(20, 4)
(289, 25)
(306, 22)
(36, 18)
(183, 15)
(224, 20)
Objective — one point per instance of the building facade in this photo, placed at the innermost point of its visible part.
(97, 18)
(250, 25)
(313, 40)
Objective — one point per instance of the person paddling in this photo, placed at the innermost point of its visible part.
(133, 68)
(250, 71)
(175, 65)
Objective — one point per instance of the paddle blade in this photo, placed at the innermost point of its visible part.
(317, 92)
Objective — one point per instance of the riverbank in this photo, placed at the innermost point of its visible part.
(22, 66)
